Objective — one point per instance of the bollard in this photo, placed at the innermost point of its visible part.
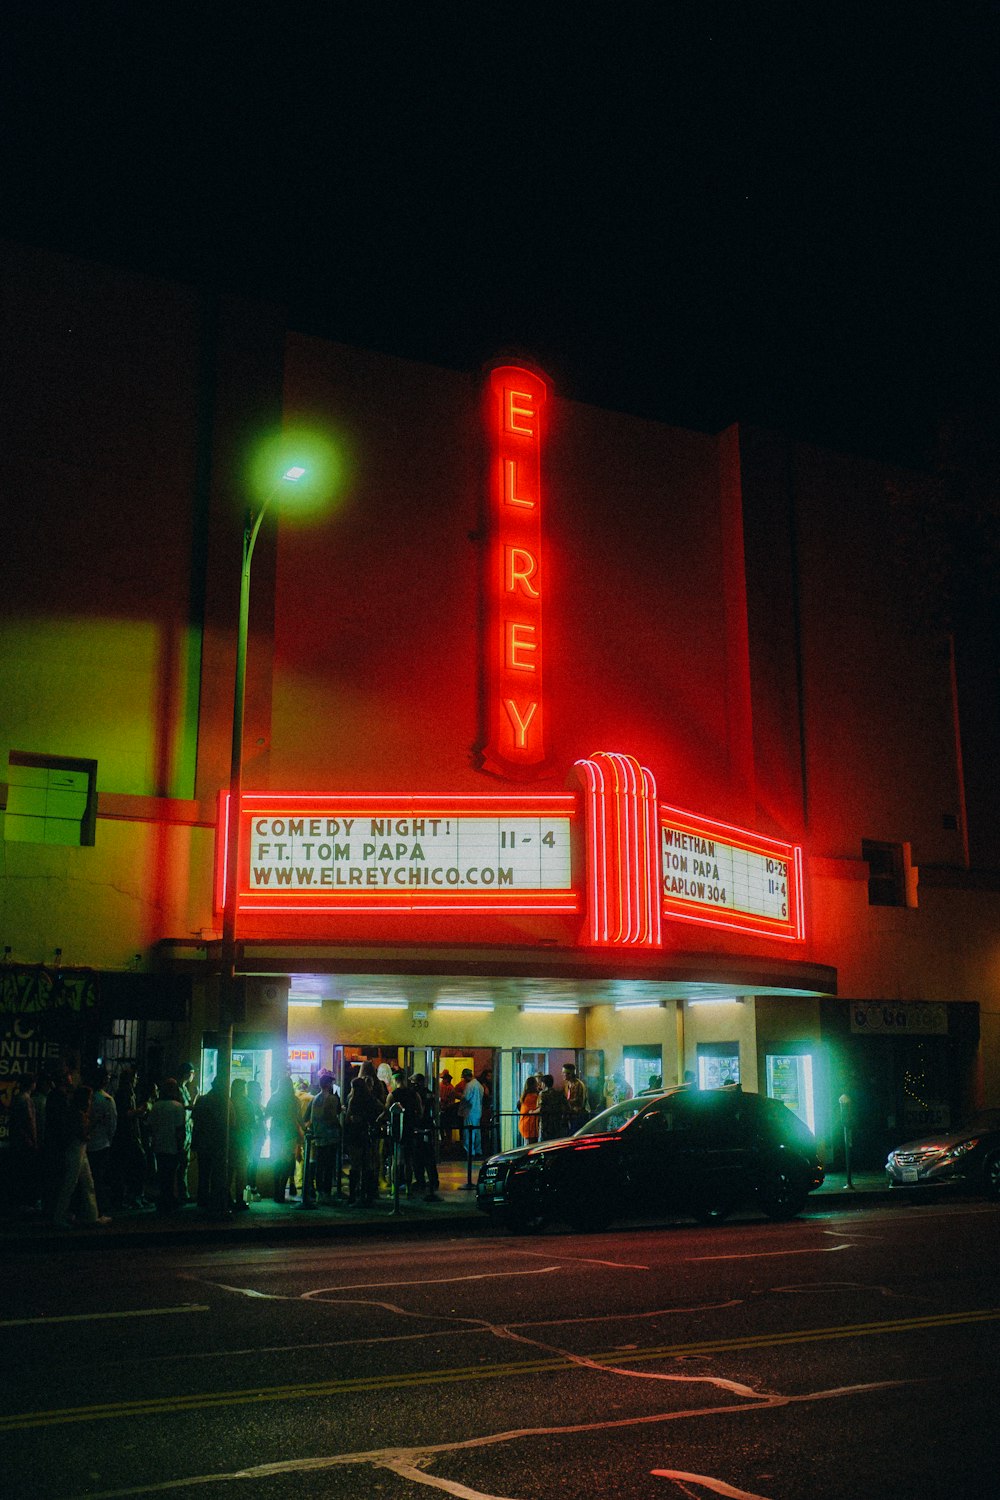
(845, 1120)
(338, 1169)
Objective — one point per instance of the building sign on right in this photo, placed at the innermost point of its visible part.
(723, 876)
(899, 1018)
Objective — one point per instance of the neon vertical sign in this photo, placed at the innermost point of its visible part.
(515, 402)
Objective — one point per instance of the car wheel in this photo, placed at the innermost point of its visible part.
(525, 1214)
(991, 1177)
(524, 1220)
(591, 1219)
(781, 1193)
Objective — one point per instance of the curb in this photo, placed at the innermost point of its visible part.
(299, 1225)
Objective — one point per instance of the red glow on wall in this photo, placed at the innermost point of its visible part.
(623, 904)
(514, 410)
(722, 876)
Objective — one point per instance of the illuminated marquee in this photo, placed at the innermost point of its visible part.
(316, 854)
(515, 744)
(728, 877)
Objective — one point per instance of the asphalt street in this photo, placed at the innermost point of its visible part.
(845, 1354)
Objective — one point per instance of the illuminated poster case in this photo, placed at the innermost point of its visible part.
(723, 876)
(326, 853)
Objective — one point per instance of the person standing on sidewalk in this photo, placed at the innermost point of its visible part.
(425, 1171)
(56, 1139)
(239, 1145)
(212, 1119)
(189, 1094)
(361, 1142)
(404, 1097)
(103, 1125)
(323, 1120)
(128, 1157)
(576, 1097)
(258, 1133)
(285, 1119)
(552, 1116)
(76, 1168)
(471, 1111)
(527, 1110)
(167, 1133)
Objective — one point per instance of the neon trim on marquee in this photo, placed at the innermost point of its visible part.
(622, 854)
(324, 854)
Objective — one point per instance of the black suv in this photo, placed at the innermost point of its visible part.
(697, 1151)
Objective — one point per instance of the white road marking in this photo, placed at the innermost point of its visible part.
(850, 1286)
(94, 1317)
(586, 1260)
(717, 1486)
(384, 1457)
(247, 1291)
(377, 1286)
(436, 1333)
(616, 1265)
(773, 1254)
(449, 1486)
(631, 1317)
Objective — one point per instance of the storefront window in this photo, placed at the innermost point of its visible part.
(640, 1064)
(790, 1079)
(209, 1068)
(718, 1064)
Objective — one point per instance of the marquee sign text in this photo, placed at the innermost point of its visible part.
(730, 877)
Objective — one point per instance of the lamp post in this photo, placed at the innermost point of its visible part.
(227, 977)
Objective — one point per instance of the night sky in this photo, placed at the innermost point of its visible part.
(777, 213)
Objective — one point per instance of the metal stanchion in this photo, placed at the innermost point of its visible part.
(396, 1138)
(469, 1132)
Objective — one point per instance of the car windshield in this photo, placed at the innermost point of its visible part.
(615, 1118)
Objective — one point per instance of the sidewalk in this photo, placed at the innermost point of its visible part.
(267, 1222)
(866, 1188)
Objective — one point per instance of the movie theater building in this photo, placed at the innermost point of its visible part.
(569, 736)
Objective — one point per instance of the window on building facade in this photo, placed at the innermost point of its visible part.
(718, 1064)
(51, 799)
(640, 1065)
(886, 873)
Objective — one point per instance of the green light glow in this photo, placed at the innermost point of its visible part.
(306, 457)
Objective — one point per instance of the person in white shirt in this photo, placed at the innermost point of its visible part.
(471, 1109)
(167, 1128)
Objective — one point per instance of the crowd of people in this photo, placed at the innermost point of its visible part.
(81, 1151)
(547, 1111)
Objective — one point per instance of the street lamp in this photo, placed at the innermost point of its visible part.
(227, 978)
